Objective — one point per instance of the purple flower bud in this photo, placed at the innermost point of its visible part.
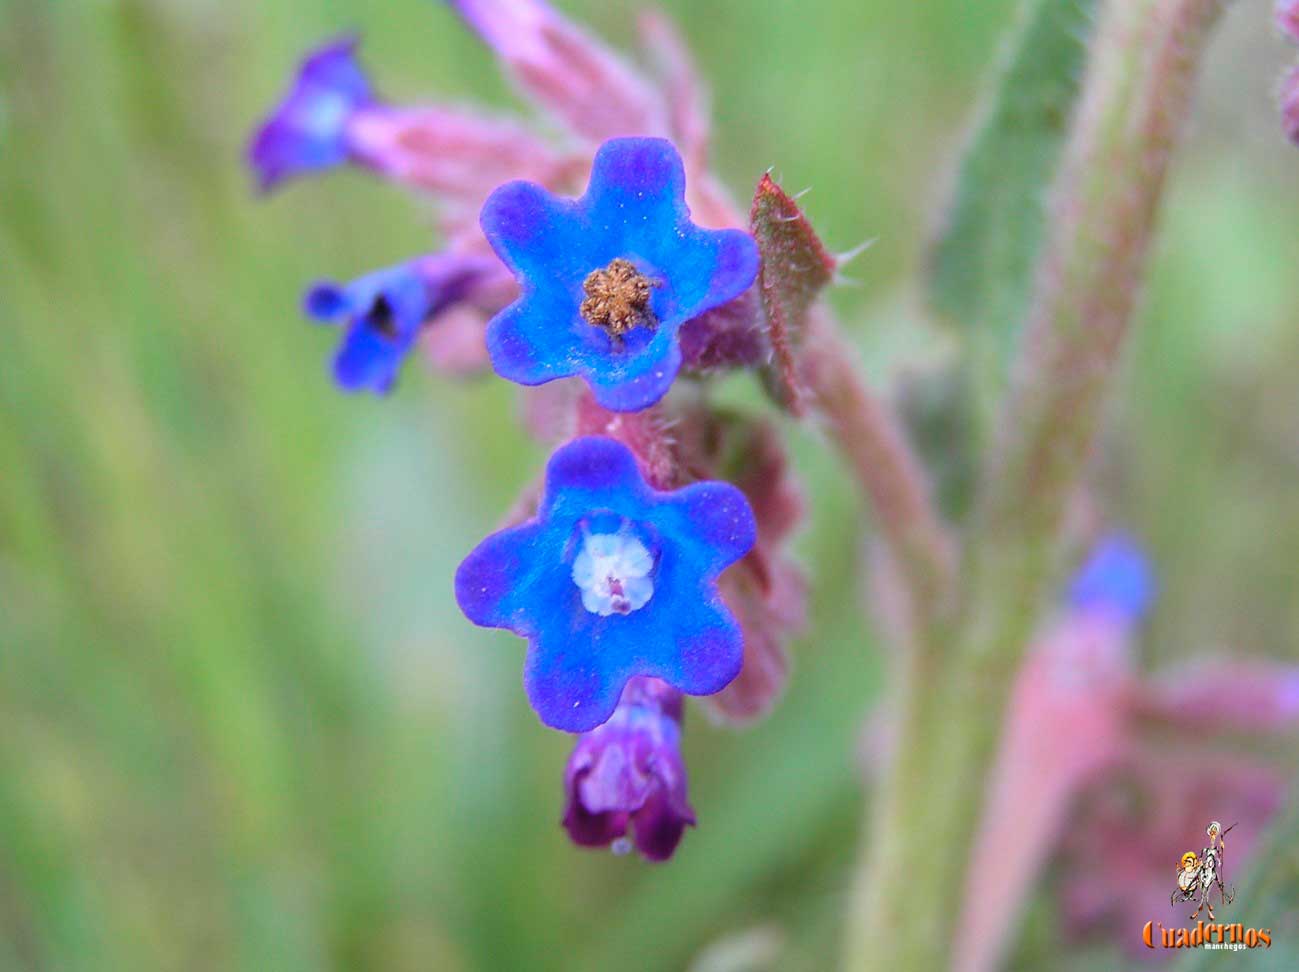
(628, 774)
(1287, 18)
(612, 580)
(308, 129)
(565, 71)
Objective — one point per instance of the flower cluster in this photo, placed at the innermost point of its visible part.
(638, 573)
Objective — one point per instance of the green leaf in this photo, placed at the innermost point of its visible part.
(796, 267)
(982, 262)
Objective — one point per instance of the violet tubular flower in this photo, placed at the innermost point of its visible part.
(612, 580)
(609, 279)
(307, 131)
(628, 774)
(386, 310)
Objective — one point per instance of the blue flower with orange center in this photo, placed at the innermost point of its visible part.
(609, 279)
(613, 579)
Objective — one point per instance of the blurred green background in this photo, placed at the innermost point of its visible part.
(243, 725)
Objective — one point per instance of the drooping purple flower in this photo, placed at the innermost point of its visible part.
(386, 310)
(612, 580)
(628, 774)
(307, 131)
(608, 279)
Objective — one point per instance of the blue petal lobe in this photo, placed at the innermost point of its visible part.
(716, 521)
(714, 266)
(592, 473)
(539, 236)
(636, 196)
(493, 582)
(327, 302)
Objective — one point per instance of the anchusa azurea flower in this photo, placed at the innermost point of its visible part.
(608, 279)
(612, 580)
(613, 572)
(628, 775)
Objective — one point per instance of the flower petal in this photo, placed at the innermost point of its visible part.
(368, 361)
(539, 236)
(717, 522)
(572, 677)
(492, 582)
(637, 197)
(522, 340)
(706, 649)
(592, 473)
(636, 381)
(714, 267)
(327, 302)
(658, 826)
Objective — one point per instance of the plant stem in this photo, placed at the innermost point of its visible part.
(1136, 95)
(871, 441)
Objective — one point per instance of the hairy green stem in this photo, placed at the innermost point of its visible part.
(870, 439)
(1136, 94)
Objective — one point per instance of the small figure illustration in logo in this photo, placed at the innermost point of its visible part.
(1198, 875)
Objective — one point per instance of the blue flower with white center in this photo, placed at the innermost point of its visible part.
(612, 580)
(308, 129)
(1116, 579)
(608, 279)
(385, 312)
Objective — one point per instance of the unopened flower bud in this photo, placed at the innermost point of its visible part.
(628, 775)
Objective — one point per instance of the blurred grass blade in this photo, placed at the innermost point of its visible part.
(981, 262)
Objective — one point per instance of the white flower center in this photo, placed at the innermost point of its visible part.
(612, 571)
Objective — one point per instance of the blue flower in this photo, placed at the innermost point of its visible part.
(608, 279)
(308, 130)
(629, 774)
(1117, 578)
(386, 310)
(612, 580)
